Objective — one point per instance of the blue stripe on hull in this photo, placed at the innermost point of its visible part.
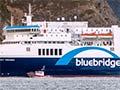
(20, 66)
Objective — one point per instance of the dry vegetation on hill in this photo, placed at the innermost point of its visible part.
(96, 12)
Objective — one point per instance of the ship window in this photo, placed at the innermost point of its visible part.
(28, 49)
(60, 51)
(110, 31)
(39, 51)
(51, 51)
(112, 48)
(43, 51)
(35, 35)
(56, 52)
(47, 51)
(28, 42)
(38, 41)
(45, 42)
(54, 42)
(25, 42)
(49, 42)
(31, 38)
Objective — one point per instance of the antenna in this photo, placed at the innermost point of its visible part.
(29, 16)
(12, 20)
(29, 9)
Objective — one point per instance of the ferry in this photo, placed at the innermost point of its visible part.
(59, 48)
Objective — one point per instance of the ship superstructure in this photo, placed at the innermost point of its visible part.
(64, 48)
(63, 36)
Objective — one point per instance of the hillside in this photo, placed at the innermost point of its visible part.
(96, 12)
(115, 5)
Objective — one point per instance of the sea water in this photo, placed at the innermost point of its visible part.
(58, 83)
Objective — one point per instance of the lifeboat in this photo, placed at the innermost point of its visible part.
(89, 35)
(104, 35)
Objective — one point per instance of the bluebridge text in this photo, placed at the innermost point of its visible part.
(98, 62)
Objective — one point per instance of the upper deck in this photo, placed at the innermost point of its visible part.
(20, 28)
(74, 33)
